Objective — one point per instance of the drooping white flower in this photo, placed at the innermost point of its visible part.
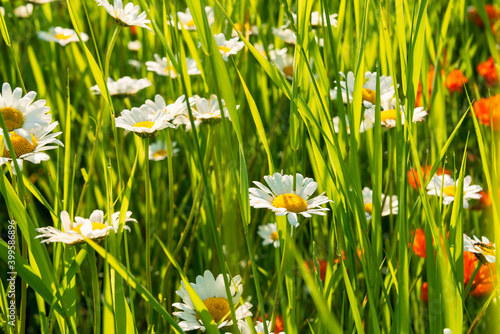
(123, 86)
(62, 36)
(283, 200)
(24, 11)
(186, 21)
(269, 234)
(390, 204)
(163, 66)
(285, 34)
(158, 150)
(93, 227)
(209, 110)
(134, 45)
(127, 16)
(447, 184)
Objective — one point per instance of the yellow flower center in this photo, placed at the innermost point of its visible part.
(487, 249)
(288, 70)
(369, 207)
(169, 69)
(291, 202)
(190, 24)
(368, 95)
(387, 115)
(62, 36)
(14, 119)
(225, 49)
(160, 153)
(144, 124)
(275, 236)
(21, 145)
(95, 226)
(218, 307)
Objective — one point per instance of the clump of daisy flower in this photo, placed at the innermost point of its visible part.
(127, 16)
(143, 121)
(283, 200)
(186, 21)
(163, 66)
(269, 234)
(158, 150)
(123, 86)
(213, 294)
(368, 92)
(227, 48)
(62, 36)
(447, 184)
(390, 204)
(93, 227)
(483, 248)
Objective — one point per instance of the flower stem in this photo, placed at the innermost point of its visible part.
(146, 219)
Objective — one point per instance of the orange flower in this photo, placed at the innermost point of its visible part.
(419, 102)
(491, 11)
(424, 295)
(482, 110)
(483, 283)
(279, 326)
(419, 243)
(322, 267)
(455, 81)
(413, 179)
(488, 71)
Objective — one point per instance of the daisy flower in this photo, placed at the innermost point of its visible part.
(31, 149)
(209, 110)
(143, 121)
(388, 114)
(270, 235)
(127, 16)
(123, 86)
(41, 2)
(320, 20)
(482, 248)
(446, 183)
(24, 11)
(134, 45)
(283, 200)
(163, 66)
(94, 228)
(285, 34)
(368, 92)
(213, 293)
(21, 113)
(186, 20)
(389, 206)
(63, 36)
(365, 125)
(158, 150)
(173, 109)
(283, 61)
(227, 48)
(244, 327)
(244, 29)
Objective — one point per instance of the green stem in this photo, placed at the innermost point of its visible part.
(471, 280)
(146, 220)
(96, 291)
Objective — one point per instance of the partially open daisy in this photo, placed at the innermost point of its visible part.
(390, 204)
(186, 21)
(163, 66)
(93, 227)
(283, 200)
(244, 327)
(285, 34)
(209, 110)
(321, 20)
(127, 16)
(62, 36)
(269, 234)
(483, 248)
(123, 86)
(158, 150)
(388, 114)
(227, 48)
(368, 92)
(446, 183)
(365, 125)
(22, 113)
(31, 149)
(213, 293)
(143, 121)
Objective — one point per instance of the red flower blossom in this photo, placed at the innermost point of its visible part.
(483, 283)
(455, 81)
(488, 71)
(413, 179)
(419, 243)
(279, 326)
(484, 106)
(424, 294)
(322, 267)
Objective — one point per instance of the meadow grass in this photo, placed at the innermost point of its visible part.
(358, 267)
